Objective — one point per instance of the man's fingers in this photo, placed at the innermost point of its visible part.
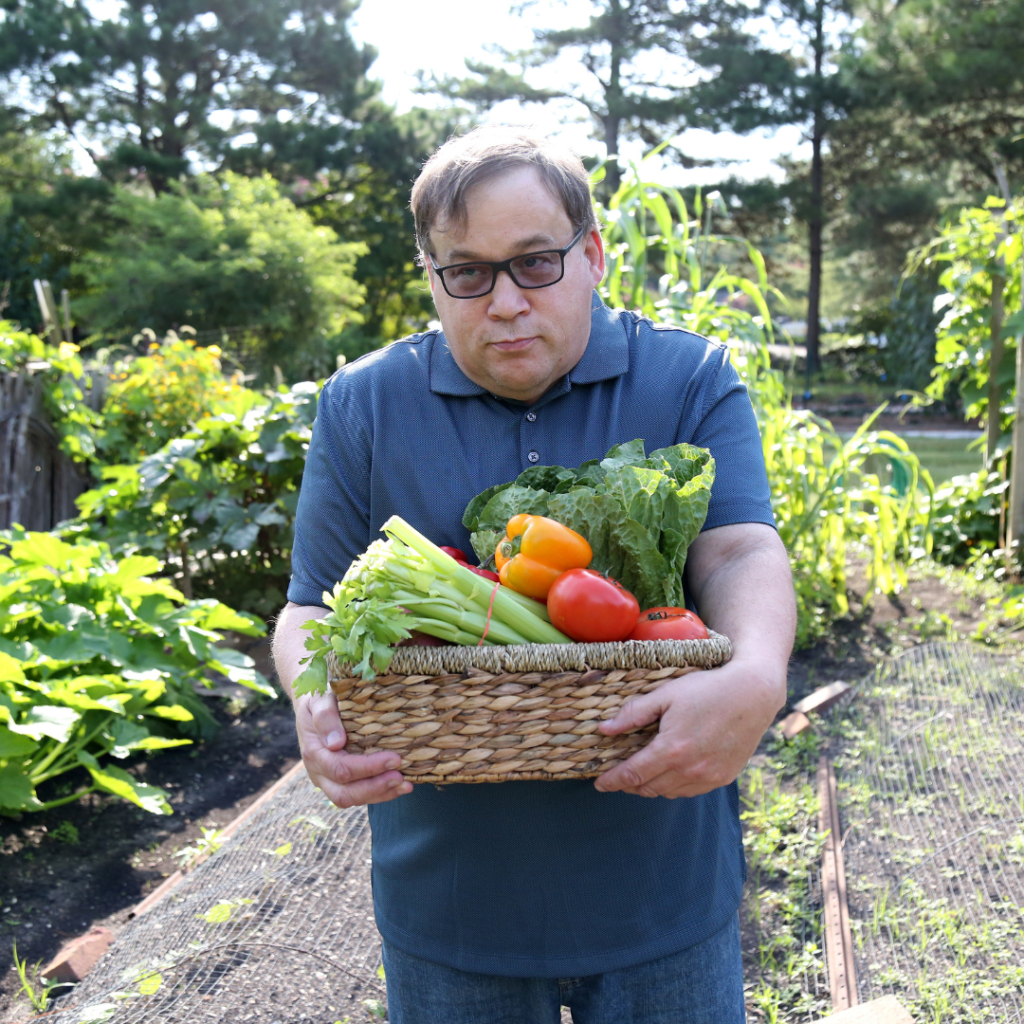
(345, 769)
(376, 790)
(635, 714)
(640, 770)
(323, 710)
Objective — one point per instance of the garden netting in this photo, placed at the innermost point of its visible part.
(931, 797)
(277, 927)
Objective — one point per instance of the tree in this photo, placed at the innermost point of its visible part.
(232, 253)
(160, 86)
(616, 47)
(940, 84)
(754, 87)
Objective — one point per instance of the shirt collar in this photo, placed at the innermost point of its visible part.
(606, 356)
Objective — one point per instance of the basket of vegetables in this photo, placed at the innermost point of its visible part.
(473, 675)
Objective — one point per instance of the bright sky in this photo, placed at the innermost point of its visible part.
(437, 36)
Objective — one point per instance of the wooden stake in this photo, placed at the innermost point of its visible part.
(842, 973)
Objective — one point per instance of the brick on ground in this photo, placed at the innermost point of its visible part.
(887, 1010)
(79, 956)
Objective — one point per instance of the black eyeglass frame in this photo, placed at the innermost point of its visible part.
(498, 266)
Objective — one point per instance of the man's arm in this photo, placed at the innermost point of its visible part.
(711, 722)
(346, 779)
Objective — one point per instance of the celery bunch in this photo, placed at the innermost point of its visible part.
(407, 583)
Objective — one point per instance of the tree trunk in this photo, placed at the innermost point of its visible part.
(815, 222)
(611, 141)
(613, 103)
(1015, 527)
(995, 362)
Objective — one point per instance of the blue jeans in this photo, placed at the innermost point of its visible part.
(700, 985)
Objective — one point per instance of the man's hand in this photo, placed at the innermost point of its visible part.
(346, 779)
(705, 738)
(711, 722)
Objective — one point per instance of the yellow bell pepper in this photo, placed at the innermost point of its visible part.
(535, 551)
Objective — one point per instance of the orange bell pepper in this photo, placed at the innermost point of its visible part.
(535, 551)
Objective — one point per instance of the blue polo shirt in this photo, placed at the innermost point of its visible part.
(530, 879)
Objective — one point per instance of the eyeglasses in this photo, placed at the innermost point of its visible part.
(531, 270)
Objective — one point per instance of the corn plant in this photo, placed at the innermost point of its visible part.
(665, 261)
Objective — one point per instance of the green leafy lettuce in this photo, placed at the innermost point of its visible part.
(639, 512)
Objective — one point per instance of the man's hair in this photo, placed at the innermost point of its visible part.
(439, 194)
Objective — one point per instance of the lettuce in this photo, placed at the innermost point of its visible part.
(640, 513)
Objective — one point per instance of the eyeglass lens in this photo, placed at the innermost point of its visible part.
(534, 270)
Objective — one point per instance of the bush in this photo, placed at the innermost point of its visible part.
(973, 251)
(97, 659)
(157, 397)
(965, 517)
(63, 379)
(218, 503)
(824, 498)
(230, 253)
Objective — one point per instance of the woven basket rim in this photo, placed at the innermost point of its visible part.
(628, 654)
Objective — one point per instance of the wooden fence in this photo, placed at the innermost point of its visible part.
(38, 482)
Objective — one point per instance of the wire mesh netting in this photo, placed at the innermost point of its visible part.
(932, 801)
(275, 928)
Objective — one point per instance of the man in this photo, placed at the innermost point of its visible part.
(618, 897)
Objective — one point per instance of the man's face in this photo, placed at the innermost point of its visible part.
(516, 342)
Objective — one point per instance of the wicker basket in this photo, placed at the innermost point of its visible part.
(494, 714)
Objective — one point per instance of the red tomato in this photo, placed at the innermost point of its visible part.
(457, 553)
(486, 573)
(591, 608)
(669, 624)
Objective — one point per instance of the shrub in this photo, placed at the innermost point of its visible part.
(973, 251)
(965, 517)
(63, 378)
(97, 659)
(217, 503)
(155, 398)
(232, 252)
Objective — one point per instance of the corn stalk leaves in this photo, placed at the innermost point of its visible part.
(826, 500)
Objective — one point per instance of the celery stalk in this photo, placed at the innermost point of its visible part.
(506, 609)
(462, 618)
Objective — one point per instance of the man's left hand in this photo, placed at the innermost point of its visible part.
(711, 722)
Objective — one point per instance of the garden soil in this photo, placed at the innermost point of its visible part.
(53, 888)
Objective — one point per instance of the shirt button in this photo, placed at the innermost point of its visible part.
(531, 417)
(534, 456)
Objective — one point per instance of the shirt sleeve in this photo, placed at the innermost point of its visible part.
(333, 515)
(725, 424)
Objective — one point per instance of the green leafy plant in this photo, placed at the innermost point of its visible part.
(99, 660)
(965, 517)
(154, 398)
(826, 501)
(39, 998)
(206, 846)
(218, 502)
(62, 376)
(980, 252)
(65, 832)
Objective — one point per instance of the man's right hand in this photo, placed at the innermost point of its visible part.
(346, 779)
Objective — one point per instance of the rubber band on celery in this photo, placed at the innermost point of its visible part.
(490, 610)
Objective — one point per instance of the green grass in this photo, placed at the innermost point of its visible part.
(943, 457)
